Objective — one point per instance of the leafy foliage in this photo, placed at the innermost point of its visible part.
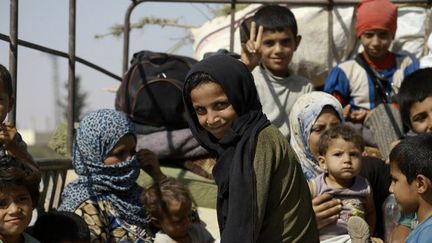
(117, 30)
(57, 141)
(80, 101)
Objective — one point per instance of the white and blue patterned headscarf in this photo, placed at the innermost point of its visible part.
(304, 113)
(96, 136)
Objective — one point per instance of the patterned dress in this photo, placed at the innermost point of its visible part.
(106, 196)
(105, 225)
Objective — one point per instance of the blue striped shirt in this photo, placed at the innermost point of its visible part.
(356, 87)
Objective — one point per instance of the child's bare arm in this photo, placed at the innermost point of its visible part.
(149, 162)
(251, 55)
(400, 233)
(8, 138)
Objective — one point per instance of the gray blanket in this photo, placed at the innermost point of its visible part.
(176, 144)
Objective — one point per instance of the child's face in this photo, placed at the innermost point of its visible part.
(376, 43)
(325, 120)
(15, 211)
(213, 109)
(6, 103)
(123, 150)
(404, 192)
(342, 161)
(421, 116)
(277, 50)
(177, 222)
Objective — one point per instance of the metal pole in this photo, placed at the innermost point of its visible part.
(330, 34)
(126, 34)
(232, 30)
(71, 76)
(13, 55)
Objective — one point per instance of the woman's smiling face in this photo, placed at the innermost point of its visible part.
(214, 111)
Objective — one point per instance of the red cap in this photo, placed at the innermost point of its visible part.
(376, 14)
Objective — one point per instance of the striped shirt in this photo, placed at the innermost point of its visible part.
(355, 87)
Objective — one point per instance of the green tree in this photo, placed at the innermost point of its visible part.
(80, 101)
(222, 10)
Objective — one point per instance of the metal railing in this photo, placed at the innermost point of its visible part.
(71, 55)
(53, 179)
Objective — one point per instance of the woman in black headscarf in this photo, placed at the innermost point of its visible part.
(262, 194)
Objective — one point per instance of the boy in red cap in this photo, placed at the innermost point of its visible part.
(376, 74)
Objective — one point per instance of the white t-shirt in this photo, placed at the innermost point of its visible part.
(278, 95)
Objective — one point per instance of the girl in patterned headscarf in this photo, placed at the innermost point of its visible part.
(304, 114)
(312, 114)
(105, 193)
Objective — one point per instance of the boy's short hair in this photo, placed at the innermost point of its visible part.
(15, 173)
(276, 18)
(340, 131)
(413, 156)
(6, 80)
(54, 227)
(416, 87)
(156, 198)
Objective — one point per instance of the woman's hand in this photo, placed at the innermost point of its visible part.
(326, 209)
(149, 162)
(8, 133)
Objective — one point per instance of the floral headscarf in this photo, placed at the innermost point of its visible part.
(96, 136)
(303, 115)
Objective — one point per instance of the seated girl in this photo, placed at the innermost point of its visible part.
(105, 193)
(262, 194)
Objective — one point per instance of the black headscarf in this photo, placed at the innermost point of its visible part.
(233, 172)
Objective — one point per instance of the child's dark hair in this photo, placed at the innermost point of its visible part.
(55, 227)
(6, 80)
(415, 88)
(340, 131)
(413, 156)
(16, 173)
(156, 198)
(195, 80)
(276, 18)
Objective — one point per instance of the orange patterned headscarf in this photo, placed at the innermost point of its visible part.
(376, 14)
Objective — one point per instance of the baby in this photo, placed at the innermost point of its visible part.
(169, 204)
(340, 152)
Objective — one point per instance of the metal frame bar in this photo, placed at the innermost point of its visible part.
(329, 3)
(14, 41)
(54, 52)
(71, 75)
(13, 53)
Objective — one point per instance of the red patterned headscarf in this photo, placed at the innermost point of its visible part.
(376, 14)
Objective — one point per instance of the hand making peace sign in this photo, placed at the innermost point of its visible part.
(251, 54)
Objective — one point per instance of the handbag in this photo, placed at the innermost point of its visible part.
(384, 120)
